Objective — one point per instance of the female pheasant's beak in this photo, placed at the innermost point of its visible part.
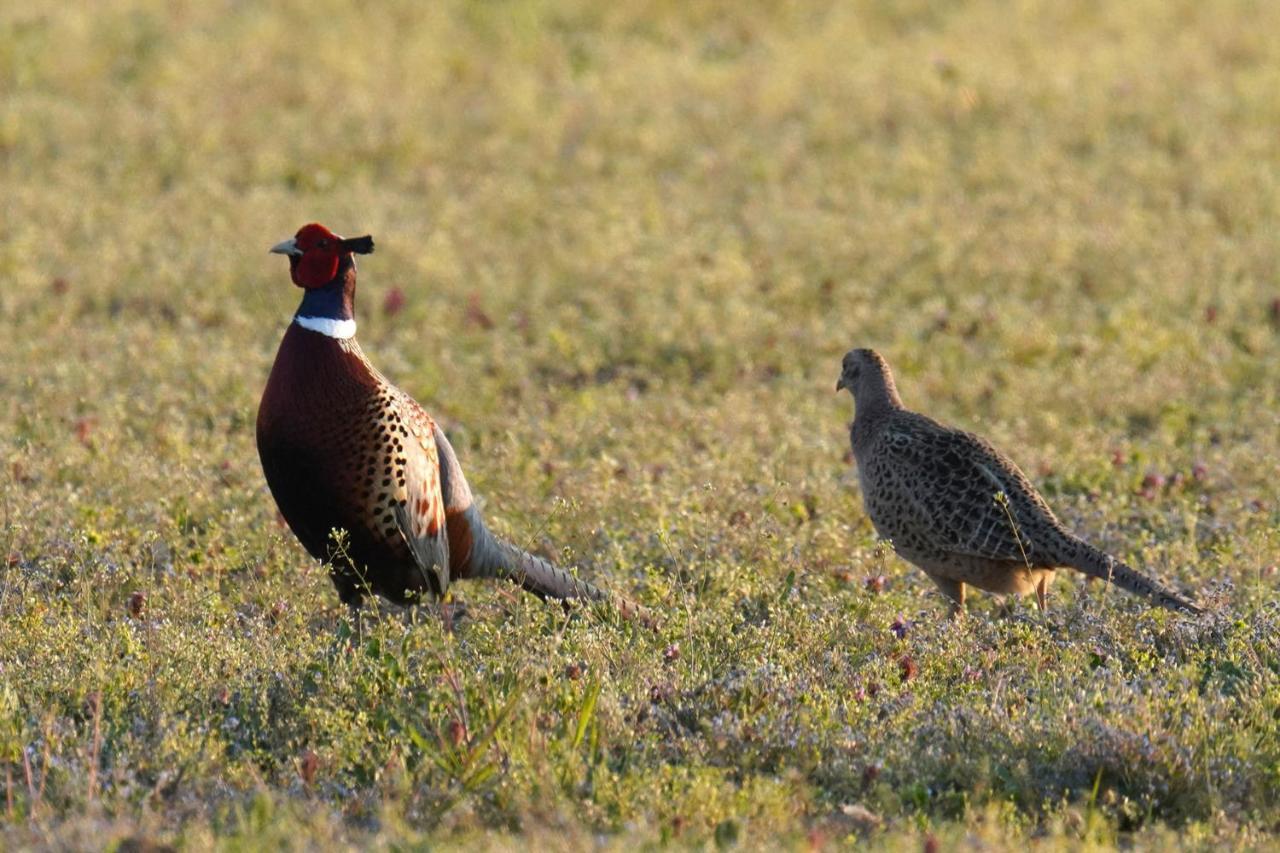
(840, 383)
(287, 247)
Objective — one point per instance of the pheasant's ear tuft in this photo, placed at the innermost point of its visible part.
(359, 245)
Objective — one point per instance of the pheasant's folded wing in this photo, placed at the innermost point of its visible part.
(417, 501)
(470, 545)
(974, 500)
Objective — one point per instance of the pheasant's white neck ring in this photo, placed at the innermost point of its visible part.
(340, 329)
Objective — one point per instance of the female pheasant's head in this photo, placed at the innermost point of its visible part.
(315, 254)
(867, 376)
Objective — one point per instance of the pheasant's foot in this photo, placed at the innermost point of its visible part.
(452, 613)
(1007, 607)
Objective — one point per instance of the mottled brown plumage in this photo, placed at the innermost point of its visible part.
(960, 509)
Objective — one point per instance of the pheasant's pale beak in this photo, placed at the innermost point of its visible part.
(287, 247)
(841, 384)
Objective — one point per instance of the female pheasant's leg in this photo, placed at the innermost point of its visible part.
(1042, 591)
(953, 590)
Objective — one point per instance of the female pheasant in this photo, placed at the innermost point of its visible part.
(345, 450)
(960, 509)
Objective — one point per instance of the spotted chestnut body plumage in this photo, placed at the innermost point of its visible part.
(345, 450)
(960, 509)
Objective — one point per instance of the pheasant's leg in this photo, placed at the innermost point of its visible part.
(953, 590)
(1042, 592)
(452, 612)
(357, 624)
(351, 596)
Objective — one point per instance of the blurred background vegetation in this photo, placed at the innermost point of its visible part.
(621, 249)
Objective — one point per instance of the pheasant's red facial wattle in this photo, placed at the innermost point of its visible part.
(314, 270)
(316, 253)
(317, 264)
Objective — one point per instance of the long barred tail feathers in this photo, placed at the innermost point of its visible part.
(492, 557)
(1091, 561)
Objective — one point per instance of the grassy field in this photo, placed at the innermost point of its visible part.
(621, 250)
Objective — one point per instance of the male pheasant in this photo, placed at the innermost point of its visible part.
(960, 509)
(345, 450)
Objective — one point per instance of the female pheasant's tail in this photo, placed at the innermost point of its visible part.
(1088, 559)
(492, 557)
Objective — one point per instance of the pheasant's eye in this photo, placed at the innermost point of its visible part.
(323, 244)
